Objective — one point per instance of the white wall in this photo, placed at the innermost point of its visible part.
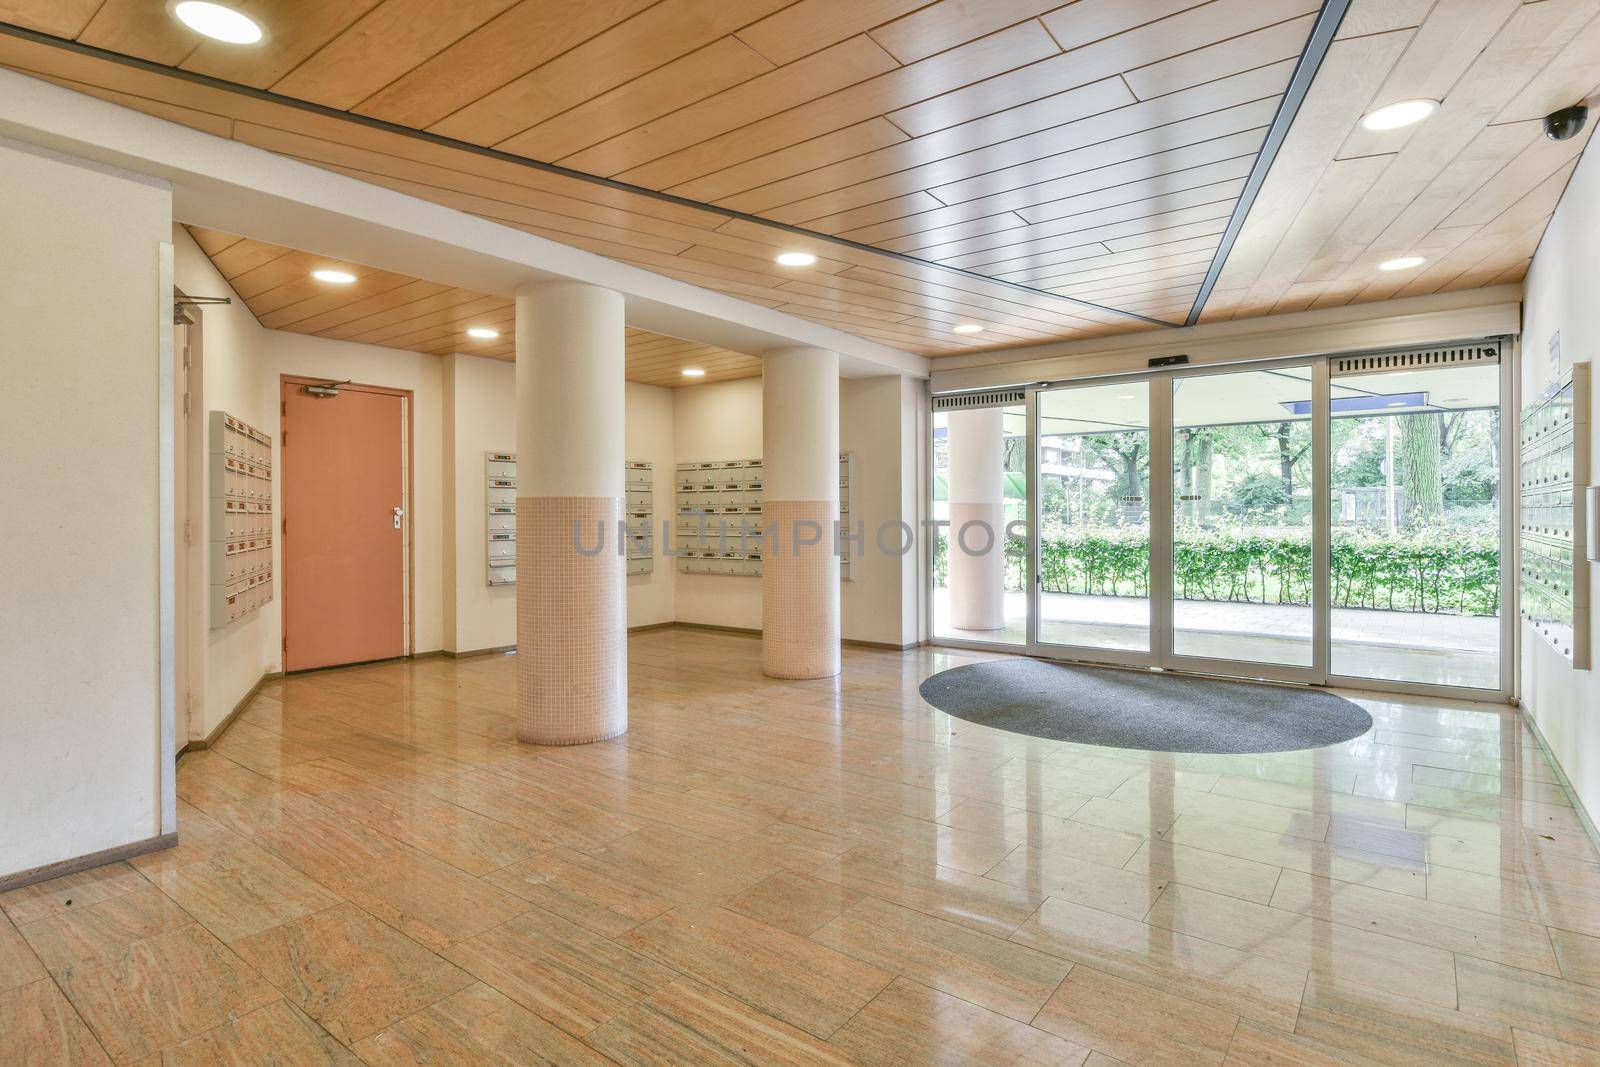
(652, 598)
(241, 367)
(877, 422)
(1561, 297)
(719, 420)
(480, 415)
(233, 657)
(482, 406)
(80, 313)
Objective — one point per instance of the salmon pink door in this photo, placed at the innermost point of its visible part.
(344, 528)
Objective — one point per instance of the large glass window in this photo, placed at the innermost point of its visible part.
(1306, 520)
(1241, 516)
(980, 502)
(1415, 481)
(1094, 516)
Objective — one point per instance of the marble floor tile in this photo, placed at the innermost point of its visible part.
(162, 990)
(981, 968)
(351, 973)
(924, 884)
(908, 1025)
(803, 983)
(464, 839)
(816, 872)
(1537, 1050)
(1065, 876)
(1339, 953)
(476, 1025)
(242, 892)
(1555, 1007)
(560, 971)
(70, 941)
(1426, 922)
(1097, 844)
(1160, 860)
(1260, 1046)
(43, 899)
(1367, 1023)
(18, 965)
(794, 902)
(1135, 1023)
(39, 1026)
(1578, 956)
(691, 1023)
(279, 1034)
(1226, 980)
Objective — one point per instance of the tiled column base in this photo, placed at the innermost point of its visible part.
(572, 637)
(977, 579)
(800, 592)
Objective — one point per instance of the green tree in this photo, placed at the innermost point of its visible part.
(1292, 448)
(1418, 458)
(1127, 454)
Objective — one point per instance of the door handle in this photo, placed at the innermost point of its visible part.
(399, 513)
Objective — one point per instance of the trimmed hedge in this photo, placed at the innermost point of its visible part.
(1438, 571)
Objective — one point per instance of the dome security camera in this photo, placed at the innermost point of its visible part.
(1566, 123)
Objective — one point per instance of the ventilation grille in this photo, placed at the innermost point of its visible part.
(1417, 358)
(994, 398)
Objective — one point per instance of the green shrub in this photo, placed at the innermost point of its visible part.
(1435, 570)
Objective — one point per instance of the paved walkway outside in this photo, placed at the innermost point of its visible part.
(1398, 645)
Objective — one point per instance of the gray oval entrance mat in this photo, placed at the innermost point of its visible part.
(1143, 709)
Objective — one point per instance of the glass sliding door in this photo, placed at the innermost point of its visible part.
(1243, 544)
(980, 507)
(1416, 523)
(1094, 510)
(1335, 520)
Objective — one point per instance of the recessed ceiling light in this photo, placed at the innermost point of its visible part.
(1125, 396)
(1401, 113)
(693, 372)
(217, 22)
(483, 333)
(967, 327)
(1403, 263)
(796, 259)
(337, 277)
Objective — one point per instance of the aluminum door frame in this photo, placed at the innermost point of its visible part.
(1119, 657)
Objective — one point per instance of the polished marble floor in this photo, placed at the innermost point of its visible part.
(372, 870)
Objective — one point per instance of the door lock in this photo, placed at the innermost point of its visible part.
(399, 513)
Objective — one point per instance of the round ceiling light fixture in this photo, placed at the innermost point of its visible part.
(693, 372)
(1399, 114)
(482, 333)
(334, 277)
(967, 327)
(796, 259)
(217, 22)
(1403, 263)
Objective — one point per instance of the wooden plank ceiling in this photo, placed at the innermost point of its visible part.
(396, 311)
(1075, 164)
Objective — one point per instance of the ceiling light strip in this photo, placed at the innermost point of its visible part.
(23, 32)
(1327, 24)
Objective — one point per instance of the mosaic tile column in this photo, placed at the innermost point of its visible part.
(572, 639)
(800, 569)
(977, 561)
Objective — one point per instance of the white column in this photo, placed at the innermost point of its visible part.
(572, 666)
(800, 571)
(977, 519)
